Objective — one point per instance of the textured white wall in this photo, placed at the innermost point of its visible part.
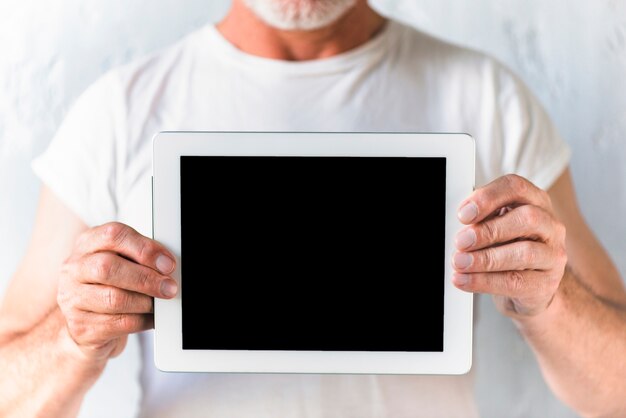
(571, 52)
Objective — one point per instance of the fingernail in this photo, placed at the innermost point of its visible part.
(169, 288)
(468, 212)
(164, 264)
(460, 279)
(462, 260)
(465, 239)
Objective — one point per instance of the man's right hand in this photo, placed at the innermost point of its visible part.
(107, 286)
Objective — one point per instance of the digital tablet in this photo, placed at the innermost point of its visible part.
(312, 252)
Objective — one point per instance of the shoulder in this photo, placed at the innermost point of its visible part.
(124, 97)
(420, 45)
(449, 63)
(129, 96)
(149, 73)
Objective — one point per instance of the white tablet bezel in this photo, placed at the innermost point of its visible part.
(168, 147)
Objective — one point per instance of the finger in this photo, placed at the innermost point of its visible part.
(514, 284)
(510, 190)
(112, 300)
(124, 240)
(525, 222)
(520, 255)
(120, 344)
(88, 328)
(112, 270)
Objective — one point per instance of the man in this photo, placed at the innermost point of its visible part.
(333, 65)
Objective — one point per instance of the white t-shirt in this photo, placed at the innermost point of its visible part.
(99, 164)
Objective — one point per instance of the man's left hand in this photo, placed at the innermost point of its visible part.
(512, 248)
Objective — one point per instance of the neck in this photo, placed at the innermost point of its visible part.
(242, 28)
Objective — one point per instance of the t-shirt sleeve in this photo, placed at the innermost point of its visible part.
(79, 166)
(531, 146)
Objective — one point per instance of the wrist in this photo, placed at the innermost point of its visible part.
(543, 321)
(47, 364)
(77, 362)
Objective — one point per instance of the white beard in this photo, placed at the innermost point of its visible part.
(299, 14)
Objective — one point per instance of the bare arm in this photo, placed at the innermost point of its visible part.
(55, 231)
(42, 372)
(75, 298)
(573, 317)
(33, 356)
(580, 343)
(580, 340)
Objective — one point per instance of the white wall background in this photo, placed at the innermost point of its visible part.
(571, 52)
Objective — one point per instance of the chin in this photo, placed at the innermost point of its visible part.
(299, 14)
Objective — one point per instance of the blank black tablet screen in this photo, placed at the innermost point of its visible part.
(313, 253)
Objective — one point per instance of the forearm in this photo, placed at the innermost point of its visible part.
(42, 373)
(580, 343)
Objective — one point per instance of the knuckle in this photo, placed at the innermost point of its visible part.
(516, 183)
(531, 217)
(527, 252)
(147, 280)
(490, 231)
(102, 265)
(68, 271)
(488, 260)
(68, 293)
(94, 334)
(123, 323)
(114, 232)
(146, 248)
(113, 300)
(516, 281)
(75, 323)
